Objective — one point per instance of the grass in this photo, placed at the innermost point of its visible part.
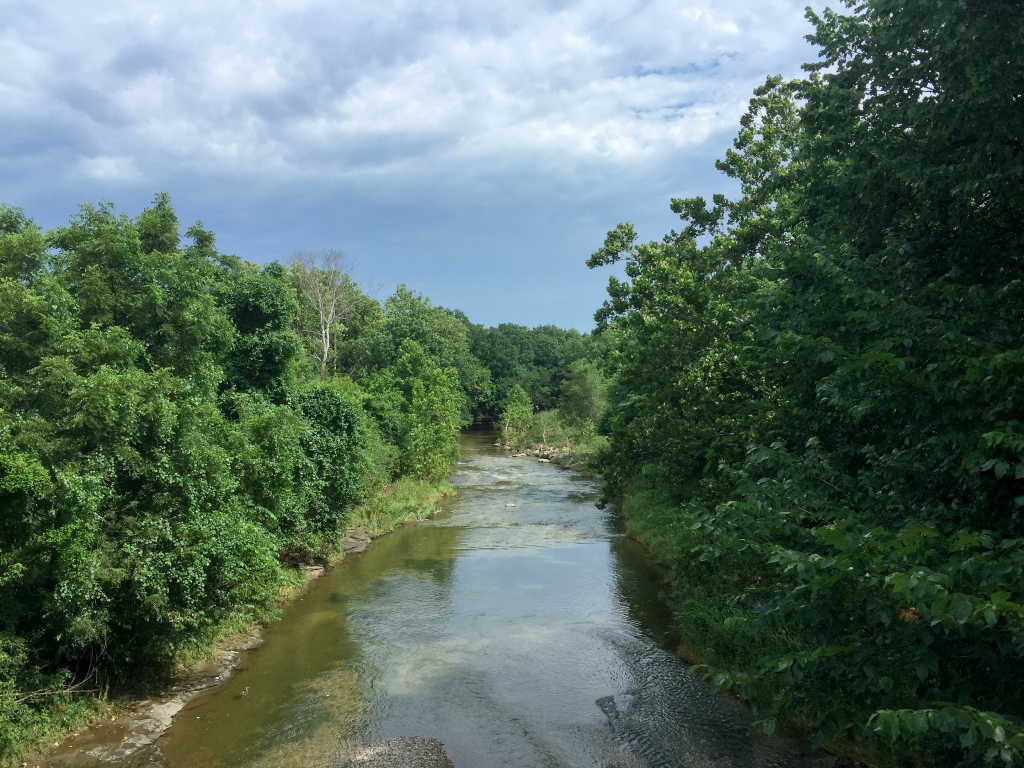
(404, 500)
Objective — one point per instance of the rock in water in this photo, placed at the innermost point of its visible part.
(404, 752)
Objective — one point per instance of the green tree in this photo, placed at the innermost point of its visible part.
(433, 442)
(159, 452)
(262, 308)
(516, 415)
(826, 375)
(440, 335)
(536, 359)
(584, 392)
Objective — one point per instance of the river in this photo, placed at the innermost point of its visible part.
(519, 627)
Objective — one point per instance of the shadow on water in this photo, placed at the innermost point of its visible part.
(520, 627)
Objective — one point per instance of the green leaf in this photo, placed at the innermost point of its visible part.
(960, 609)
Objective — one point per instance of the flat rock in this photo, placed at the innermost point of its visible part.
(403, 752)
(544, 461)
(145, 728)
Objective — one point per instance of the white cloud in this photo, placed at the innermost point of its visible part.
(105, 167)
(322, 89)
(451, 145)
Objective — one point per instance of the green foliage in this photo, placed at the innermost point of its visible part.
(33, 702)
(261, 305)
(440, 334)
(824, 377)
(516, 416)
(535, 359)
(433, 445)
(584, 393)
(165, 455)
(406, 499)
(335, 445)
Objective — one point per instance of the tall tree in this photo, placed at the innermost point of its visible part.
(328, 298)
(827, 373)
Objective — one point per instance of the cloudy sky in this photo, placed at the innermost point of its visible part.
(477, 151)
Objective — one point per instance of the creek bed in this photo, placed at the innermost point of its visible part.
(520, 627)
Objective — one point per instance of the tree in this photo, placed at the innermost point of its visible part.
(537, 359)
(262, 307)
(584, 392)
(438, 333)
(827, 375)
(516, 416)
(433, 442)
(328, 298)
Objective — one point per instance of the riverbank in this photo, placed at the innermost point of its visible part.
(702, 600)
(504, 628)
(115, 729)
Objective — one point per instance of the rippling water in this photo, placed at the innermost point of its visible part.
(519, 628)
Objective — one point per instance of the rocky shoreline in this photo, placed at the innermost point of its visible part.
(548, 455)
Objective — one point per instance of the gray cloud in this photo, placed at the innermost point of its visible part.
(450, 145)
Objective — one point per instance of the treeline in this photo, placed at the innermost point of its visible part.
(818, 416)
(549, 386)
(179, 429)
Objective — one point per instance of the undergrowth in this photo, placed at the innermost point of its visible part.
(703, 600)
(404, 500)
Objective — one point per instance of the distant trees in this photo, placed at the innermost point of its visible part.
(536, 359)
(439, 333)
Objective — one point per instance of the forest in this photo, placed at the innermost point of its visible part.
(807, 403)
(816, 414)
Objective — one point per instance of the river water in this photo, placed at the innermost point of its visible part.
(519, 627)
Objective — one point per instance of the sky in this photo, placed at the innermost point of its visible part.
(476, 151)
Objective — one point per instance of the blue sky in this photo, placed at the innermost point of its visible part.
(476, 151)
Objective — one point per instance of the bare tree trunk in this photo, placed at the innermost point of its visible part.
(323, 287)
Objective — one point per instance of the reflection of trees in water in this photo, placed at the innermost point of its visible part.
(430, 553)
(639, 584)
(423, 551)
(306, 701)
(672, 717)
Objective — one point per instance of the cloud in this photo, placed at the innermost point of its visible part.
(122, 168)
(394, 98)
(317, 90)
